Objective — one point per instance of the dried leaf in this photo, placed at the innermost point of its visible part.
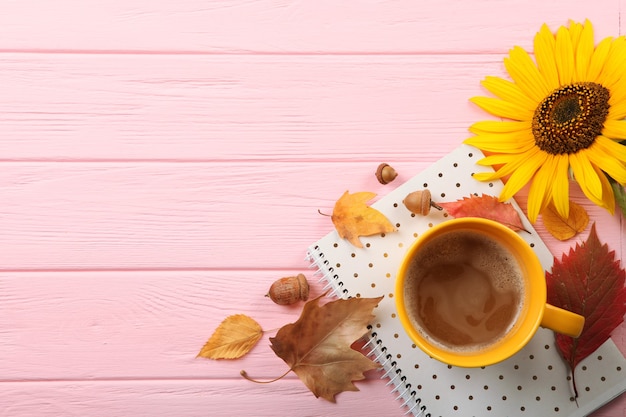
(561, 228)
(233, 338)
(317, 347)
(590, 282)
(352, 218)
(487, 207)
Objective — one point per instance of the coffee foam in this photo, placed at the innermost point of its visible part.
(477, 252)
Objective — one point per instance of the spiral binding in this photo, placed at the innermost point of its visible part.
(374, 346)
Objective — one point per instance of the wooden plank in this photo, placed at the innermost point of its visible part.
(188, 398)
(207, 108)
(273, 26)
(117, 216)
(134, 325)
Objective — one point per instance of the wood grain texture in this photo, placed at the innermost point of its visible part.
(163, 162)
(282, 27)
(116, 216)
(223, 108)
(189, 398)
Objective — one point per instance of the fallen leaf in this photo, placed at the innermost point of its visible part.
(487, 207)
(353, 218)
(317, 347)
(589, 282)
(562, 228)
(233, 338)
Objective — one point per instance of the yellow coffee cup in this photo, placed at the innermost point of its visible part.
(471, 292)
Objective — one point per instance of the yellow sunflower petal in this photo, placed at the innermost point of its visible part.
(617, 111)
(526, 75)
(610, 147)
(614, 65)
(615, 129)
(523, 173)
(564, 54)
(560, 186)
(607, 162)
(575, 30)
(586, 176)
(508, 92)
(540, 192)
(509, 164)
(514, 142)
(608, 198)
(488, 126)
(617, 92)
(503, 108)
(584, 50)
(544, 54)
(598, 58)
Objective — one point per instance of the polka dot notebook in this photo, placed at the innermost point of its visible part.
(534, 382)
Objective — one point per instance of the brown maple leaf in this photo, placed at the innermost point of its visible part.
(589, 282)
(353, 218)
(317, 347)
(487, 207)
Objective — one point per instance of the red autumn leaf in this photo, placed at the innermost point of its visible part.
(487, 207)
(590, 282)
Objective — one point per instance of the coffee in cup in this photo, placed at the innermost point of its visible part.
(464, 289)
(471, 292)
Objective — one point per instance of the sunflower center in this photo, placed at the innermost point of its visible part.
(570, 118)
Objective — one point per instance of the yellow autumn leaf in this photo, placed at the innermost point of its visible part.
(562, 228)
(352, 218)
(233, 338)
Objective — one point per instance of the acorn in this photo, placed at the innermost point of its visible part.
(385, 173)
(419, 202)
(289, 290)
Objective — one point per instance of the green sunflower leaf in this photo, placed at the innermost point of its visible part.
(620, 196)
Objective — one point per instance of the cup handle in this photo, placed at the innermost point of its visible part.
(562, 321)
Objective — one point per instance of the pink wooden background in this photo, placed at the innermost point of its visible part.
(162, 162)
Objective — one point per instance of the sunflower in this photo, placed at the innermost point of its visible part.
(563, 116)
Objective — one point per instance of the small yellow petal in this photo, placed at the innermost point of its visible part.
(606, 162)
(610, 147)
(515, 142)
(608, 198)
(564, 53)
(560, 186)
(613, 69)
(584, 50)
(598, 59)
(617, 111)
(586, 176)
(526, 74)
(489, 126)
(502, 108)
(544, 54)
(617, 92)
(508, 92)
(540, 192)
(615, 129)
(523, 174)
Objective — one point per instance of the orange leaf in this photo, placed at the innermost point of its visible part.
(352, 218)
(317, 347)
(561, 228)
(233, 338)
(487, 207)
